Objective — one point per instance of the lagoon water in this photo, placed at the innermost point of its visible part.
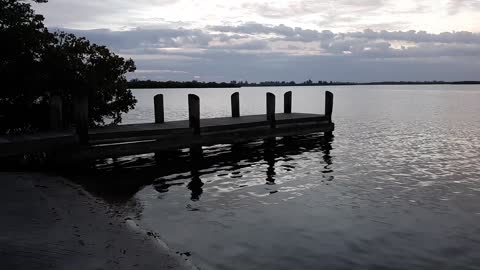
(398, 187)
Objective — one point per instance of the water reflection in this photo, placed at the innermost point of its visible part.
(196, 184)
(269, 153)
(327, 158)
(118, 180)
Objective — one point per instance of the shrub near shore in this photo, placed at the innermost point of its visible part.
(36, 64)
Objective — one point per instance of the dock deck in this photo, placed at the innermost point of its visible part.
(123, 140)
(152, 131)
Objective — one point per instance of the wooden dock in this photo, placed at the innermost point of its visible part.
(123, 140)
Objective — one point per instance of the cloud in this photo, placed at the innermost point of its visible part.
(455, 6)
(86, 13)
(338, 16)
(255, 52)
(287, 33)
(140, 38)
(272, 9)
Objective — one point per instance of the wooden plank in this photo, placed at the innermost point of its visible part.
(139, 132)
(204, 139)
(235, 98)
(159, 110)
(255, 120)
(151, 131)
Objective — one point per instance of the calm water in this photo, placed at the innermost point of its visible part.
(397, 188)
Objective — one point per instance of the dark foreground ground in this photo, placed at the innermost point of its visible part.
(48, 222)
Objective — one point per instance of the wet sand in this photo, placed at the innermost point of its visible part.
(47, 222)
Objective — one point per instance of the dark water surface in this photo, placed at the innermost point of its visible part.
(398, 187)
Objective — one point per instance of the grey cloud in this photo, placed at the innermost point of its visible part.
(146, 38)
(262, 52)
(289, 33)
(247, 45)
(225, 38)
(454, 6)
(306, 7)
(61, 11)
(236, 66)
(419, 36)
(306, 35)
(245, 37)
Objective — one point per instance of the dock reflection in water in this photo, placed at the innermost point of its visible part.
(118, 180)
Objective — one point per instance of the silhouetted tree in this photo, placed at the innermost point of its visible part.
(35, 64)
(79, 67)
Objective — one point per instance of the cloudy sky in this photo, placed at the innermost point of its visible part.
(344, 40)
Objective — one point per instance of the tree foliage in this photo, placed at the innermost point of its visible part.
(36, 64)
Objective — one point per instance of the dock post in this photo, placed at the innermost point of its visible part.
(159, 118)
(271, 109)
(235, 104)
(81, 117)
(287, 103)
(329, 105)
(56, 108)
(194, 113)
(159, 111)
(328, 109)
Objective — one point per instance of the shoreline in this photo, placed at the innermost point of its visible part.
(313, 84)
(49, 222)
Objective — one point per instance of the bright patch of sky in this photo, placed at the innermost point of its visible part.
(336, 15)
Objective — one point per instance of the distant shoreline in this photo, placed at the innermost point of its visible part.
(195, 84)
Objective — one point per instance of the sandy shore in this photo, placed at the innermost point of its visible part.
(47, 222)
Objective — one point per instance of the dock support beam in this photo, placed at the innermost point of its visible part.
(329, 109)
(194, 113)
(287, 103)
(159, 111)
(56, 118)
(271, 109)
(81, 117)
(235, 104)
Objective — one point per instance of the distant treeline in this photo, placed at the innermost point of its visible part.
(174, 84)
(196, 84)
(417, 82)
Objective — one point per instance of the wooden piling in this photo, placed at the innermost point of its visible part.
(159, 110)
(81, 117)
(235, 104)
(329, 110)
(56, 114)
(271, 109)
(329, 105)
(194, 113)
(287, 103)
